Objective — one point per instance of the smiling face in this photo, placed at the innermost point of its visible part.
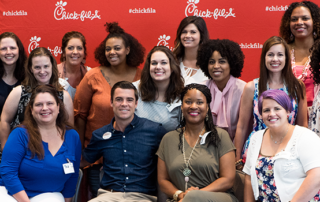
(194, 107)
(273, 114)
(301, 23)
(190, 36)
(160, 67)
(124, 104)
(275, 58)
(219, 69)
(42, 69)
(45, 109)
(9, 51)
(74, 52)
(115, 51)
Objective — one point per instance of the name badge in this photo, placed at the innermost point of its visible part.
(68, 167)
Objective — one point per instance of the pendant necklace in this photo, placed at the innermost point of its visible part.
(279, 141)
(186, 171)
(305, 69)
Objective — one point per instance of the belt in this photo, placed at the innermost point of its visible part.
(111, 190)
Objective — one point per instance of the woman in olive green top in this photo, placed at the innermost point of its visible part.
(196, 162)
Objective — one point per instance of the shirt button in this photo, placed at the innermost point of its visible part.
(124, 136)
(125, 150)
(127, 178)
(124, 186)
(126, 165)
(133, 126)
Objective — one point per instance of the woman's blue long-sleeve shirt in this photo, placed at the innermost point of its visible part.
(19, 172)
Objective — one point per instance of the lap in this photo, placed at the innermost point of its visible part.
(45, 197)
(206, 196)
(107, 196)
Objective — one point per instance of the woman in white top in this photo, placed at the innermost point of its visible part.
(282, 163)
(72, 69)
(159, 88)
(191, 33)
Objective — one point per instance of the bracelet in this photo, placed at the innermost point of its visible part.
(176, 195)
(239, 162)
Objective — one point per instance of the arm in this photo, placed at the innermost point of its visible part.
(302, 116)
(227, 174)
(310, 187)
(21, 196)
(67, 101)
(82, 104)
(10, 109)
(245, 115)
(164, 180)
(68, 199)
(248, 193)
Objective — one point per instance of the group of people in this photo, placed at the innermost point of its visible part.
(177, 129)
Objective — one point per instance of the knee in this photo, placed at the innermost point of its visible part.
(192, 196)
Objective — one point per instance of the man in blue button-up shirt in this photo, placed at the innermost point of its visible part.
(128, 146)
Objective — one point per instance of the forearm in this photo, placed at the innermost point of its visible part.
(4, 133)
(21, 196)
(220, 185)
(80, 126)
(167, 187)
(308, 189)
(239, 141)
(248, 193)
(67, 199)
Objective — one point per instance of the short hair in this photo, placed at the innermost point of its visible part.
(277, 95)
(124, 85)
(65, 40)
(137, 51)
(228, 49)
(30, 80)
(210, 127)
(315, 62)
(19, 72)
(295, 87)
(285, 30)
(35, 140)
(202, 27)
(148, 89)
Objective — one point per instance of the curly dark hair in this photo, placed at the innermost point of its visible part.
(228, 49)
(137, 51)
(148, 90)
(65, 40)
(213, 135)
(285, 30)
(202, 27)
(19, 72)
(315, 62)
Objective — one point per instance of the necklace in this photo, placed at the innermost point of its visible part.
(186, 171)
(305, 69)
(279, 141)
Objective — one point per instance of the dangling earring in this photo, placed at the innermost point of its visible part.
(207, 117)
(182, 118)
(83, 61)
(291, 37)
(315, 35)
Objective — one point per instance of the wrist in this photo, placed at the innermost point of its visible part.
(176, 195)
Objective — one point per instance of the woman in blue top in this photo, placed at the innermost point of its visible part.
(37, 155)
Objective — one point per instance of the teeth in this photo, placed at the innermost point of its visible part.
(216, 73)
(273, 119)
(45, 114)
(159, 73)
(275, 65)
(194, 114)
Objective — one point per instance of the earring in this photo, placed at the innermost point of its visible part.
(182, 118)
(315, 35)
(207, 117)
(291, 37)
(83, 61)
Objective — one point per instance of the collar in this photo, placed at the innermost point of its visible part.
(203, 138)
(133, 124)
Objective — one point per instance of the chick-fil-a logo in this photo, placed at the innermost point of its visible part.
(34, 44)
(163, 41)
(192, 9)
(61, 14)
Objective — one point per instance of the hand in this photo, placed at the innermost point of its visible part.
(190, 189)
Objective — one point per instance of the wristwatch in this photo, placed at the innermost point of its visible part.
(176, 194)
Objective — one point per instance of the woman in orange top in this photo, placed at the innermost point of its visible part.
(119, 55)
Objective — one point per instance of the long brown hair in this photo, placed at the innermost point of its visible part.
(148, 90)
(35, 140)
(30, 80)
(296, 88)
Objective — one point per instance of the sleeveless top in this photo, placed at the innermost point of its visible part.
(257, 119)
(24, 100)
(5, 90)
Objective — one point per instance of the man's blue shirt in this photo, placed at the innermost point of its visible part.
(129, 160)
